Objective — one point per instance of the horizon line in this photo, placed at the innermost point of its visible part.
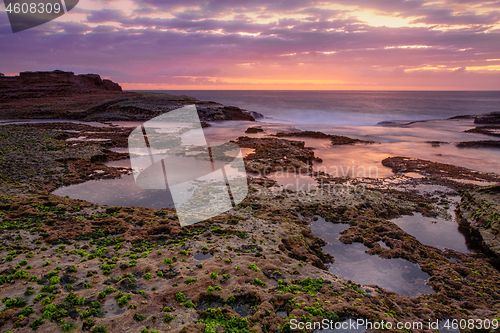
(359, 90)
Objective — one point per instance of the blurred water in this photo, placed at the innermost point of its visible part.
(364, 160)
(355, 108)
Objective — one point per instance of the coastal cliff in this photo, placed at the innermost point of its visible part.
(58, 83)
(88, 97)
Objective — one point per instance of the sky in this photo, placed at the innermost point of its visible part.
(279, 44)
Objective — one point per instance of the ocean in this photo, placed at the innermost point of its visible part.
(357, 114)
(352, 108)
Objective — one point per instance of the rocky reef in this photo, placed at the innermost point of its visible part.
(479, 144)
(489, 118)
(71, 265)
(335, 139)
(488, 130)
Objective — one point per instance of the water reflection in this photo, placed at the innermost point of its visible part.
(410, 140)
(121, 191)
(353, 263)
(125, 163)
(203, 256)
(434, 231)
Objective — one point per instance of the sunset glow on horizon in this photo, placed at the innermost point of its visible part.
(259, 45)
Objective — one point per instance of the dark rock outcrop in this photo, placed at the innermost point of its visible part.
(480, 210)
(55, 82)
(436, 170)
(64, 95)
(486, 130)
(56, 94)
(254, 130)
(335, 139)
(489, 118)
(479, 144)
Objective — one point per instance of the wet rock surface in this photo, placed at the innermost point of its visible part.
(488, 130)
(64, 95)
(335, 139)
(37, 157)
(479, 144)
(480, 211)
(440, 173)
(253, 130)
(489, 118)
(271, 154)
(70, 262)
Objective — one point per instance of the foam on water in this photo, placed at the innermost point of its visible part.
(356, 108)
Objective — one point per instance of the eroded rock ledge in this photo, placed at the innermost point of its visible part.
(88, 97)
(33, 84)
(479, 211)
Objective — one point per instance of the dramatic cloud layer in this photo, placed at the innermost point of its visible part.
(285, 44)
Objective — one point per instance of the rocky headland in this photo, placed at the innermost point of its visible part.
(87, 97)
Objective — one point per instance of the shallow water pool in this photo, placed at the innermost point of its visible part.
(121, 191)
(353, 263)
(434, 231)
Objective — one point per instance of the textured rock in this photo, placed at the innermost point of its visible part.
(65, 78)
(110, 85)
(253, 130)
(56, 82)
(480, 210)
(54, 94)
(435, 170)
(479, 144)
(64, 95)
(265, 257)
(487, 130)
(335, 139)
(489, 118)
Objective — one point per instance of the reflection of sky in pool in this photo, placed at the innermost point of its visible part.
(351, 262)
(433, 231)
(203, 256)
(121, 191)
